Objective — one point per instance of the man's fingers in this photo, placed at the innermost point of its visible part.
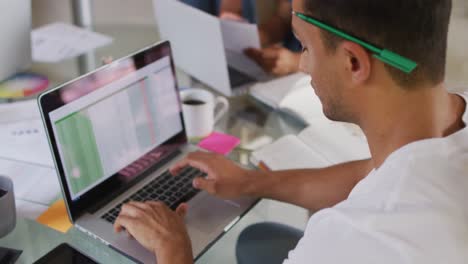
(269, 65)
(132, 209)
(157, 204)
(204, 184)
(123, 222)
(278, 71)
(182, 210)
(254, 54)
(196, 160)
(232, 16)
(270, 53)
(176, 168)
(139, 205)
(266, 58)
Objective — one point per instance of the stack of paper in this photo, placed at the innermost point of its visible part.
(35, 187)
(19, 111)
(25, 141)
(25, 158)
(59, 41)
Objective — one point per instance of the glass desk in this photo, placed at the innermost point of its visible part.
(247, 120)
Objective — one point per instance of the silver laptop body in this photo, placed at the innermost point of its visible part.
(116, 131)
(198, 46)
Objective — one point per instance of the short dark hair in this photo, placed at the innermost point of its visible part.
(416, 29)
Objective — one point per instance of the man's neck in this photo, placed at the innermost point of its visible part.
(400, 117)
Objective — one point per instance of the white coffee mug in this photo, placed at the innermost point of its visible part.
(198, 107)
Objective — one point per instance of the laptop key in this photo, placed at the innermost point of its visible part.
(169, 189)
(155, 186)
(181, 200)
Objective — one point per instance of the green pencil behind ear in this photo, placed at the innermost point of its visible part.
(395, 60)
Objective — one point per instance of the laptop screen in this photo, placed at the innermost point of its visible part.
(110, 126)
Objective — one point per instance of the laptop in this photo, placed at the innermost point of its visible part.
(114, 133)
(199, 50)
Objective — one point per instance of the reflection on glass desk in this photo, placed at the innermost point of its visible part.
(247, 120)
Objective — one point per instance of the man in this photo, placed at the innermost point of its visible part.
(407, 204)
(281, 50)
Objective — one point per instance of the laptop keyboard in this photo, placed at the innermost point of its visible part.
(169, 189)
(238, 78)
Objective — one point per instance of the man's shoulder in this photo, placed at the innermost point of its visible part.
(416, 176)
(436, 166)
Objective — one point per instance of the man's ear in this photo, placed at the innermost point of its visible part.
(357, 62)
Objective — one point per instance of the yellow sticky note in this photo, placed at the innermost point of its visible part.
(56, 217)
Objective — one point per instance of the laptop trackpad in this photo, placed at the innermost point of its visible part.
(208, 214)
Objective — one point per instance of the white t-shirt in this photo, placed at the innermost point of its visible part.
(413, 209)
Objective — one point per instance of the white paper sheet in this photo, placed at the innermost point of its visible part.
(287, 153)
(238, 36)
(25, 141)
(59, 41)
(31, 183)
(19, 111)
(303, 104)
(273, 92)
(29, 210)
(337, 142)
(322, 144)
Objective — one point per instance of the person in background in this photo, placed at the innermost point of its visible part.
(280, 50)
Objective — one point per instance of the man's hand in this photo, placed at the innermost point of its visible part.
(276, 59)
(224, 178)
(157, 228)
(232, 16)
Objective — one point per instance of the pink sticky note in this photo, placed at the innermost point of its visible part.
(219, 143)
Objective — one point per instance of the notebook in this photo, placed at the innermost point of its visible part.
(323, 143)
(292, 95)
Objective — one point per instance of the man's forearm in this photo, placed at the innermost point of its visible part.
(313, 189)
(181, 255)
